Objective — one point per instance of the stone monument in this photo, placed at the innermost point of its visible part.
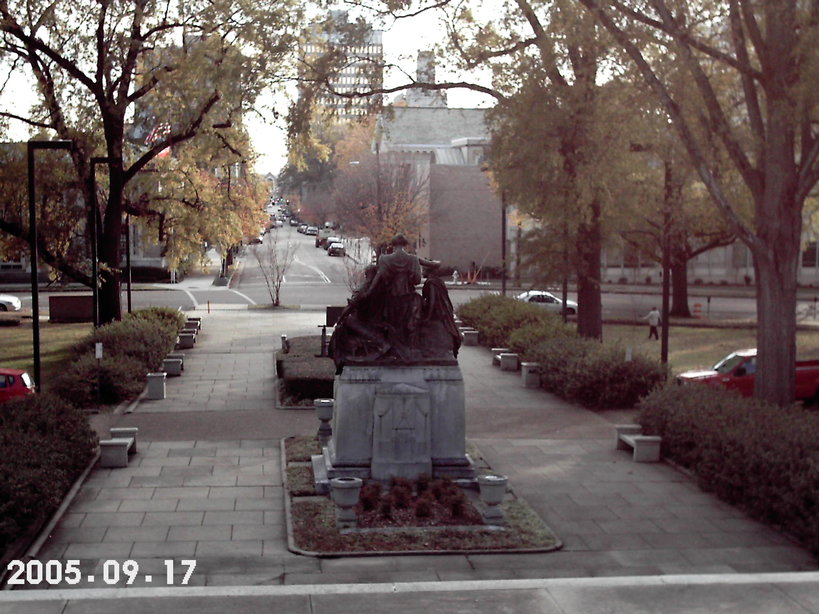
(399, 405)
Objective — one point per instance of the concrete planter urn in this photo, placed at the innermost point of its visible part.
(492, 490)
(345, 495)
(324, 412)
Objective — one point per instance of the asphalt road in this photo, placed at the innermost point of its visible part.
(315, 280)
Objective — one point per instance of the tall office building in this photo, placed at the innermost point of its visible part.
(359, 52)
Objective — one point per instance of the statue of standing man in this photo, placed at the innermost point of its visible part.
(397, 275)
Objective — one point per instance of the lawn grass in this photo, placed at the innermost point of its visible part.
(16, 349)
(694, 348)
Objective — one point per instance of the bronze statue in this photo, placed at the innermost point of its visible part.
(387, 322)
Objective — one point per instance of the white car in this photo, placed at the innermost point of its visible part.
(9, 302)
(542, 298)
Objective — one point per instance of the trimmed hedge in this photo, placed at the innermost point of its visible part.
(497, 317)
(303, 376)
(46, 443)
(131, 348)
(582, 371)
(593, 374)
(752, 454)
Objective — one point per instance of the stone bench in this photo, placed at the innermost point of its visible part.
(177, 356)
(496, 352)
(646, 448)
(509, 361)
(155, 389)
(469, 336)
(186, 341)
(172, 366)
(114, 452)
(530, 374)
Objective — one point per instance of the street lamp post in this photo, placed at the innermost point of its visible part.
(503, 242)
(35, 252)
(379, 133)
(92, 188)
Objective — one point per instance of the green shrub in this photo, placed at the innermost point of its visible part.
(561, 360)
(497, 317)
(148, 340)
(162, 315)
(87, 382)
(594, 375)
(525, 338)
(750, 453)
(302, 375)
(46, 444)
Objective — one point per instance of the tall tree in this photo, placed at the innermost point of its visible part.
(375, 197)
(109, 74)
(766, 123)
(556, 142)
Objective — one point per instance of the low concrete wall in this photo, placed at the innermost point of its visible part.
(71, 308)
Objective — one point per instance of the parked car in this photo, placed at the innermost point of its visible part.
(737, 370)
(9, 302)
(311, 230)
(548, 300)
(330, 240)
(301, 228)
(336, 249)
(321, 237)
(294, 221)
(14, 383)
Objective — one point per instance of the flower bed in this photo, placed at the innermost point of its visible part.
(408, 517)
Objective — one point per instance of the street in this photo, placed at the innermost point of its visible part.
(315, 280)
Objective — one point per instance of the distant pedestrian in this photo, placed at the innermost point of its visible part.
(455, 277)
(653, 318)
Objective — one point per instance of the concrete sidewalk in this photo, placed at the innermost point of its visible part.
(206, 486)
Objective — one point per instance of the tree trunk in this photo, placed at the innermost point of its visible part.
(110, 252)
(776, 325)
(679, 289)
(589, 302)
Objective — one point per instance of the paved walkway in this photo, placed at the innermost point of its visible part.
(206, 486)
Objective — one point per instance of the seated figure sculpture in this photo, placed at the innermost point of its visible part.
(387, 322)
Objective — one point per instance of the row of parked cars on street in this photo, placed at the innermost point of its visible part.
(325, 239)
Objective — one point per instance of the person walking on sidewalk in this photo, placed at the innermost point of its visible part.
(653, 318)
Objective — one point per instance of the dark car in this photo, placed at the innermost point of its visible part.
(336, 249)
(14, 383)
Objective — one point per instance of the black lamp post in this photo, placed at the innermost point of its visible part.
(35, 252)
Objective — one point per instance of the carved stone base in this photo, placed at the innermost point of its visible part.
(397, 422)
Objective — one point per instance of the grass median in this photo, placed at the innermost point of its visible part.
(692, 347)
(17, 350)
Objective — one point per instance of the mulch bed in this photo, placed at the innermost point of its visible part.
(311, 520)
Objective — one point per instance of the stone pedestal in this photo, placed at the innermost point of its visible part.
(398, 422)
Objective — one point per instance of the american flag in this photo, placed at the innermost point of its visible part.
(159, 132)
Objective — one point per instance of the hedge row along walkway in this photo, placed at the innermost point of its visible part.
(206, 485)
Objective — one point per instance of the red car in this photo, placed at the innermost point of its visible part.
(736, 372)
(14, 383)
